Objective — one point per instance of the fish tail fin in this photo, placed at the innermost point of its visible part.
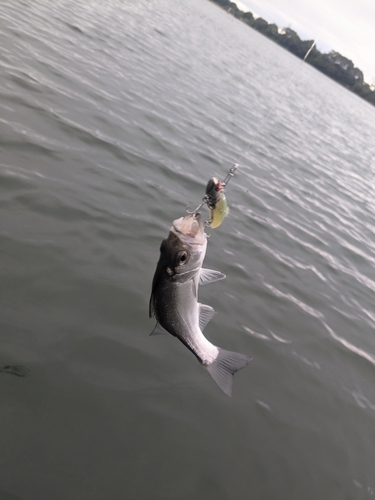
(225, 366)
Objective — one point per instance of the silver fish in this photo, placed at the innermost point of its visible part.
(174, 299)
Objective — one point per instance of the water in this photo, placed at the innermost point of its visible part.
(113, 117)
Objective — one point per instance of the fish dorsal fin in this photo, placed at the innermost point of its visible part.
(206, 313)
(158, 330)
(209, 276)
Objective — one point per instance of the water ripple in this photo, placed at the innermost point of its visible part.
(351, 347)
(288, 296)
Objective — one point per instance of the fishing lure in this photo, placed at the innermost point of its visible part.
(216, 199)
(216, 202)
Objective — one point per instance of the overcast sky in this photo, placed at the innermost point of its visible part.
(347, 26)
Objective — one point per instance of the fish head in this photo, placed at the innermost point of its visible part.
(190, 228)
(181, 257)
(183, 251)
(185, 246)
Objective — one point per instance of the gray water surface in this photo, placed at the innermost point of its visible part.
(113, 116)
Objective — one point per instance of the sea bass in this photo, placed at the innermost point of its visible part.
(174, 299)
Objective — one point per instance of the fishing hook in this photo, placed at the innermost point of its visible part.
(205, 199)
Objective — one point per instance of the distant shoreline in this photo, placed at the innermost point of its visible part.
(332, 64)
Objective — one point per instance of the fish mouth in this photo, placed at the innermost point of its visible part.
(191, 225)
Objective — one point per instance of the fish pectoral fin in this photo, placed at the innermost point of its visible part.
(209, 276)
(225, 366)
(158, 330)
(206, 313)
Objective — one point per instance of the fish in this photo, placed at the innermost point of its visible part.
(174, 299)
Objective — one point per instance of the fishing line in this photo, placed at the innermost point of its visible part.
(215, 198)
(289, 83)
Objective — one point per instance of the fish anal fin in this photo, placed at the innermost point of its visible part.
(225, 366)
(206, 313)
(209, 276)
(158, 330)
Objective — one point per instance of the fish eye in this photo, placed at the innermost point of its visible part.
(182, 258)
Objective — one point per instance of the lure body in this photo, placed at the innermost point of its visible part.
(217, 202)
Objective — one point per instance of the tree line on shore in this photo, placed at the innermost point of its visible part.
(332, 64)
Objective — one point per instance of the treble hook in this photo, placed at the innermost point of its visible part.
(204, 200)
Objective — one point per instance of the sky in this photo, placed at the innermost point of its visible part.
(347, 26)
